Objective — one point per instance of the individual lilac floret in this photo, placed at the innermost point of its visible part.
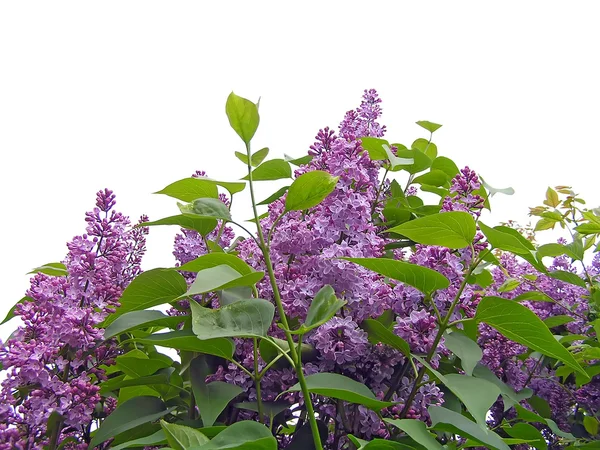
(464, 185)
(340, 340)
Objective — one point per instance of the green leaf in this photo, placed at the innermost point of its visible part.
(210, 207)
(243, 116)
(233, 187)
(520, 324)
(338, 386)
(269, 348)
(466, 349)
(274, 169)
(541, 406)
(557, 321)
(53, 269)
(554, 249)
(322, 308)
(432, 178)
(151, 288)
(245, 318)
(202, 225)
(552, 199)
(122, 381)
(128, 415)
(378, 332)
(211, 398)
(429, 126)
(11, 311)
(397, 163)
(255, 159)
(216, 259)
(189, 189)
(454, 229)
(136, 367)
(499, 237)
(157, 438)
(186, 340)
(375, 148)
(528, 416)
(509, 396)
(417, 430)
(446, 420)
(271, 198)
(568, 277)
(477, 394)
(591, 425)
(309, 189)
(181, 437)
(529, 433)
(298, 161)
(446, 165)
(140, 319)
(219, 278)
(424, 279)
(244, 435)
(588, 228)
(534, 296)
(413, 161)
(270, 408)
(234, 294)
(425, 146)
(303, 439)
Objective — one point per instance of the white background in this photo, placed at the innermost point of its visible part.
(130, 95)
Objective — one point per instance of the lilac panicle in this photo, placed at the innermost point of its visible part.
(53, 359)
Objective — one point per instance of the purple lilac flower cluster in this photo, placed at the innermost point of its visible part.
(54, 360)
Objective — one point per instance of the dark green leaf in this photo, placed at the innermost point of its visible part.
(135, 366)
(211, 398)
(189, 189)
(466, 349)
(53, 269)
(379, 333)
(557, 321)
(483, 279)
(528, 432)
(186, 340)
(432, 178)
(244, 435)
(151, 288)
(141, 319)
(146, 441)
(446, 420)
(429, 126)
(245, 318)
(309, 189)
(216, 259)
(303, 438)
(114, 384)
(270, 408)
(509, 396)
(413, 161)
(424, 279)
(541, 406)
(270, 199)
(274, 169)
(181, 437)
(417, 430)
(568, 277)
(455, 229)
(11, 311)
(219, 278)
(128, 415)
(338, 386)
(202, 225)
(499, 237)
(520, 324)
(243, 116)
(322, 308)
(446, 165)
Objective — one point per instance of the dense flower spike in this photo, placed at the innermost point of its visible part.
(53, 360)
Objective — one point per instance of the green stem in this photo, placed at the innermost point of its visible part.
(257, 382)
(282, 317)
(438, 338)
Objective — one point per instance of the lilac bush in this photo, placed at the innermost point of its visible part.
(357, 316)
